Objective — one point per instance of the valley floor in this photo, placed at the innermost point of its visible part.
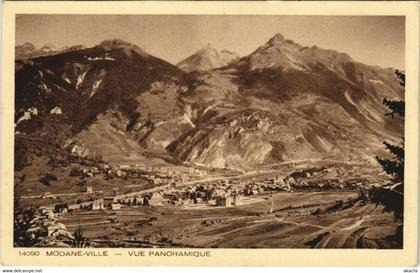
(309, 208)
(287, 220)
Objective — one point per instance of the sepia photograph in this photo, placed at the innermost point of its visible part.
(209, 131)
(209, 134)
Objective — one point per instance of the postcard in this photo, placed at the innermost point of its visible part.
(210, 133)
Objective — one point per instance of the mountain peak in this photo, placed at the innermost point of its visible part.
(24, 50)
(286, 54)
(208, 48)
(280, 40)
(277, 39)
(113, 42)
(117, 44)
(207, 58)
(27, 45)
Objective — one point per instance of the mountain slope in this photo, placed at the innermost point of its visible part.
(113, 91)
(86, 82)
(287, 102)
(283, 102)
(207, 58)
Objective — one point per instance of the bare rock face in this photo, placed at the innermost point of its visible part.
(283, 102)
(207, 58)
(228, 142)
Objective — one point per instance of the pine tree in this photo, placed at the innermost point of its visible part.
(392, 200)
(395, 166)
(79, 239)
(24, 220)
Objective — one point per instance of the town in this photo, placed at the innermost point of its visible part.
(184, 188)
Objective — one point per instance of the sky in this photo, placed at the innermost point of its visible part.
(373, 40)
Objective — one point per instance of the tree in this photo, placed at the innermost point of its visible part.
(24, 220)
(395, 166)
(397, 107)
(79, 240)
(392, 199)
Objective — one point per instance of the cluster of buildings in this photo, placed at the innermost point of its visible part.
(112, 203)
(90, 172)
(159, 175)
(224, 193)
(327, 178)
(221, 193)
(228, 200)
(165, 175)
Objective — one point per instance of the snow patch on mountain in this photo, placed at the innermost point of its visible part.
(365, 110)
(376, 81)
(95, 87)
(80, 79)
(33, 111)
(208, 108)
(56, 110)
(48, 48)
(348, 97)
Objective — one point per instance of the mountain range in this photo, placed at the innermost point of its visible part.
(28, 50)
(283, 102)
